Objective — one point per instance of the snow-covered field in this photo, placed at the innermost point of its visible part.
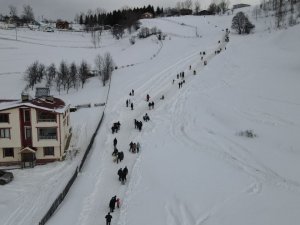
(194, 167)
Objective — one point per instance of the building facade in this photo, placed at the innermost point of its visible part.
(33, 131)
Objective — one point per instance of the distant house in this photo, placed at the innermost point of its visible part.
(147, 15)
(33, 131)
(184, 12)
(205, 13)
(237, 6)
(62, 25)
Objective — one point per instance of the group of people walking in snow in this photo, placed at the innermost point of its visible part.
(135, 147)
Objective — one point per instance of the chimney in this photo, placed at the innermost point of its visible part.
(25, 97)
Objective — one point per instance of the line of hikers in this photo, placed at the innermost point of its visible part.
(114, 201)
(117, 156)
(122, 173)
(180, 84)
(138, 124)
(115, 127)
(134, 147)
(151, 105)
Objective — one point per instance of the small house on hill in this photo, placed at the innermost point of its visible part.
(185, 12)
(205, 13)
(33, 131)
(62, 25)
(147, 15)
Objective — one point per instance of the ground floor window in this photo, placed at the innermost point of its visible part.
(8, 152)
(48, 151)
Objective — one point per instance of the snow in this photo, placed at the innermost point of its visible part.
(194, 167)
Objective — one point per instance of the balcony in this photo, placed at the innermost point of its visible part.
(46, 117)
(47, 133)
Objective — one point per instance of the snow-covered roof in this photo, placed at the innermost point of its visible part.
(56, 105)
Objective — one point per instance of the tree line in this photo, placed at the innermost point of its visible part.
(27, 15)
(281, 9)
(125, 17)
(67, 76)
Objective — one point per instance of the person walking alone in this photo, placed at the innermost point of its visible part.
(108, 218)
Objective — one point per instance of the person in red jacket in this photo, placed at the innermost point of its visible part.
(118, 201)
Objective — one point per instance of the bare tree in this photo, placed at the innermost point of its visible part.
(117, 31)
(197, 7)
(77, 18)
(31, 74)
(188, 4)
(50, 75)
(28, 15)
(74, 75)
(279, 15)
(223, 5)
(96, 37)
(256, 11)
(178, 6)
(13, 11)
(83, 72)
(107, 67)
(99, 64)
(41, 72)
(64, 74)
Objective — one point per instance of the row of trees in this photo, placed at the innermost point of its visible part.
(282, 8)
(68, 76)
(218, 6)
(126, 17)
(27, 15)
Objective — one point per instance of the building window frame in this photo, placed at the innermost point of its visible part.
(4, 117)
(45, 116)
(5, 133)
(8, 153)
(27, 117)
(49, 151)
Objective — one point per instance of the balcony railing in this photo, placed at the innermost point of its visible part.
(47, 120)
(48, 137)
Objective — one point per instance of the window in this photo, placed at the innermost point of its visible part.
(47, 133)
(27, 115)
(27, 133)
(48, 151)
(4, 132)
(4, 118)
(44, 116)
(8, 152)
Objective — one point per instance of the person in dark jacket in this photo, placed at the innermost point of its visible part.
(120, 156)
(108, 218)
(120, 173)
(112, 203)
(125, 172)
(115, 142)
(131, 105)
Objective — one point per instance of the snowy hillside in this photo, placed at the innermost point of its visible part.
(194, 166)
